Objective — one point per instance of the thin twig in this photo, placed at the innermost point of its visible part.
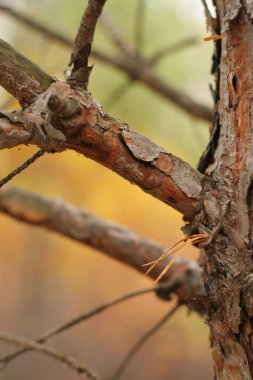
(37, 26)
(118, 373)
(80, 73)
(22, 167)
(175, 47)
(49, 351)
(165, 287)
(128, 66)
(117, 94)
(139, 25)
(114, 33)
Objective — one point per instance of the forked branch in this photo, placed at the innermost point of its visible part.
(128, 65)
(49, 351)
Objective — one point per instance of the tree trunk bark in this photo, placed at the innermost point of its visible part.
(228, 198)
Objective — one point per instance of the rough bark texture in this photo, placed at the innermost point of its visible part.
(77, 122)
(219, 203)
(18, 76)
(131, 64)
(228, 204)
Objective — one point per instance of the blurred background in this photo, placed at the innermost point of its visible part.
(46, 279)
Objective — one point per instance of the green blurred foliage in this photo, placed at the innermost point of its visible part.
(44, 278)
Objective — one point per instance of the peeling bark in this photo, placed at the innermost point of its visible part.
(228, 264)
(77, 122)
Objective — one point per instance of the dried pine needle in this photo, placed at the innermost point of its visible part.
(214, 37)
(177, 248)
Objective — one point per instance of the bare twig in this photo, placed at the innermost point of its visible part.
(139, 25)
(129, 66)
(36, 26)
(49, 351)
(80, 73)
(165, 288)
(117, 94)
(175, 47)
(142, 341)
(144, 73)
(114, 33)
(22, 167)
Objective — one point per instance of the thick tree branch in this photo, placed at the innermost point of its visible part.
(113, 240)
(80, 124)
(110, 142)
(49, 351)
(19, 76)
(80, 73)
(127, 64)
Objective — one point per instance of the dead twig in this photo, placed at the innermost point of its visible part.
(22, 167)
(139, 25)
(49, 351)
(118, 373)
(137, 72)
(80, 73)
(164, 288)
(114, 33)
(173, 48)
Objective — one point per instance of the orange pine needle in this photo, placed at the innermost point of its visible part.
(177, 248)
(214, 37)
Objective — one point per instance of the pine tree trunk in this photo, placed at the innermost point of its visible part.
(228, 199)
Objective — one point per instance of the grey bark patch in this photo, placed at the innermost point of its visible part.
(232, 11)
(185, 179)
(249, 7)
(141, 147)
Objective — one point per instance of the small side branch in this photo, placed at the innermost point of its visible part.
(22, 167)
(164, 288)
(49, 351)
(135, 70)
(142, 341)
(79, 76)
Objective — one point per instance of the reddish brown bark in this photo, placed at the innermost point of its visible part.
(229, 265)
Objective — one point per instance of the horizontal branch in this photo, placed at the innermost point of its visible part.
(49, 351)
(127, 63)
(140, 70)
(115, 241)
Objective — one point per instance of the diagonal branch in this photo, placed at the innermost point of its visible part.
(62, 117)
(80, 73)
(20, 77)
(49, 351)
(113, 240)
(118, 373)
(127, 64)
(114, 33)
(108, 141)
(164, 288)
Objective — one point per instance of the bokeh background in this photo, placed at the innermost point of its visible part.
(45, 278)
